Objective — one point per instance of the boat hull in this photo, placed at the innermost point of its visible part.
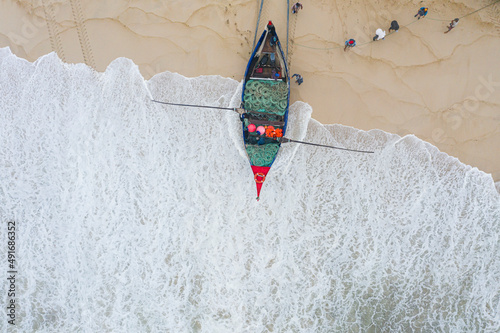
(266, 99)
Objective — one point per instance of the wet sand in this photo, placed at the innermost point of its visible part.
(443, 88)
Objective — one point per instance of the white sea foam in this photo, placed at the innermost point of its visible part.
(135, 217)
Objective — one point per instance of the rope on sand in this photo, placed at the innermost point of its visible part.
(491, 4)
(291, 24)
(287, 26)
(257, 25)
(429, 18)
(340, 46)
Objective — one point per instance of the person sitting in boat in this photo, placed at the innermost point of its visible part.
(264, 60)
(296, 7)
(274, 74)
(273, 40)
(298, 79)
(349, 44)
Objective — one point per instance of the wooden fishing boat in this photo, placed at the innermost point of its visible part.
(264, 106)
(265, 99)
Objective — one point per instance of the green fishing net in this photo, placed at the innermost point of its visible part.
(262, 155)
(271, 96)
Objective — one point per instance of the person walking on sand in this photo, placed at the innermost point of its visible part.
(394, 26)
(349, 44)
(296, 7)
(421, 12)
(452, 25)
(298, 79)
(380, 34)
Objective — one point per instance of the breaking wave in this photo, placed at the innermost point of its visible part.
(134, 217)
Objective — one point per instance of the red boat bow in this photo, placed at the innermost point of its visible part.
(260, 173)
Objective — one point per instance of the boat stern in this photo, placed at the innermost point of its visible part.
(260, 173)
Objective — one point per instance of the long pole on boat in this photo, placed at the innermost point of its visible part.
(241, 111)
(285, 140)
(238, 110)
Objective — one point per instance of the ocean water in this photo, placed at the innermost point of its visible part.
(136, 217)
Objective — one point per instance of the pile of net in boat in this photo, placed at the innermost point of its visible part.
(262, 155)
(266, 96)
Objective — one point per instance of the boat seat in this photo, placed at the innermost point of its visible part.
(265, 122)
(266, 72)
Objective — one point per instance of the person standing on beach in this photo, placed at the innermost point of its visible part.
(422, 12)
(296, 7)
(349, 44)
(452, 25)
(379, 34)
(394, 26)
(298, 79)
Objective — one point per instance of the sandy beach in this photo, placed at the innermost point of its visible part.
(443, 88)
